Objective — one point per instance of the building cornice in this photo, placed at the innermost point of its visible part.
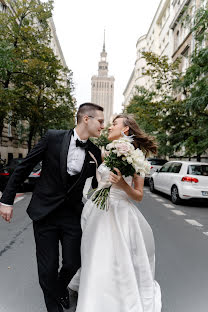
(53, 29)
(179, 14)
(142, 38)
(178, 48)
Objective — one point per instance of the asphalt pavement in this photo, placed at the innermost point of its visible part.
(181, 237)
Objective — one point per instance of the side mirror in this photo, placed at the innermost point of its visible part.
(157, 170)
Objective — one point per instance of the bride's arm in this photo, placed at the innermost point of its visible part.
(136, 192)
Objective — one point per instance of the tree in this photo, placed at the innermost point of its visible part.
(152, 108)
(194, 85)
(34, 85)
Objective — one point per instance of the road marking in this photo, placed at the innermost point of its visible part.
(169, 206)
(178, 212)
(153, 195)
(193, 222)
(160, 199)
(205, 233)
(18, 199)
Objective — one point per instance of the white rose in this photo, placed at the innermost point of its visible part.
(129, 160)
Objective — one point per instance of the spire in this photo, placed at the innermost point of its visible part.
(104, 42)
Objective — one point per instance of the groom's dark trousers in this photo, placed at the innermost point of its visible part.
(55, 209)
(62, 226)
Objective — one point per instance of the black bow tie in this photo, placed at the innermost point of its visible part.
(81, 144)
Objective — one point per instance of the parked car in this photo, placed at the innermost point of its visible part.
(7, 170)
(181, 180)
(33, 177)
(156, 163)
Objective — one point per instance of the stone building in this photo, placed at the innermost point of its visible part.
(157, 40)
(102, 87)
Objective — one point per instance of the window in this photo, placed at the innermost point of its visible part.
(10, 157)
(175, 167)
(177, 39)
(9, 130)
(165, 167)
(198, 170)
(185, 59)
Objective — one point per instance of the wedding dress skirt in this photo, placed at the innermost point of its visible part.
(118, 257)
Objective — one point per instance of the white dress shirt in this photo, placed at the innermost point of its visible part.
(76, 155)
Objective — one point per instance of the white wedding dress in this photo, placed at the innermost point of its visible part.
(118, 257)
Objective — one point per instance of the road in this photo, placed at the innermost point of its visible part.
(181, 237)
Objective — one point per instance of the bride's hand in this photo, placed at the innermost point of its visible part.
(116, 178)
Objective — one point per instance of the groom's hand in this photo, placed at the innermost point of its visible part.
(6, 212)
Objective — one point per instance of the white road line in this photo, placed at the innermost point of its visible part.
(205, 233)
(169, 206)
(153, 195)
(160, 200)
(193, 222)
(18, 199)
(178, 212)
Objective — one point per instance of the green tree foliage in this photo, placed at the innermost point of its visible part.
(34, 85)
(194, 85)
(152, 107)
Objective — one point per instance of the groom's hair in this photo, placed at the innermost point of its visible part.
(87, 109)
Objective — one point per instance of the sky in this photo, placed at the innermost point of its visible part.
(80, 28)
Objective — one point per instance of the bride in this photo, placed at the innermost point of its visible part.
(117, 249)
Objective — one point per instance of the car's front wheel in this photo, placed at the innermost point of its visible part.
(151, 185)
(175, 198)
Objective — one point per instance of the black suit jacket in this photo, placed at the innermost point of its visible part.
(52, 189)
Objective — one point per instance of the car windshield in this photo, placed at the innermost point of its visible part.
(198, 170)
(157, 162)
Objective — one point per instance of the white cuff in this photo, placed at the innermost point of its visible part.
(5, 204)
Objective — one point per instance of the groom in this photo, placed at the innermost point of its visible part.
(56, 204)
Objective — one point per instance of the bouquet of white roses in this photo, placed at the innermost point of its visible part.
(121, 154)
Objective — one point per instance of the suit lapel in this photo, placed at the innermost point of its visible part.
(64, 153)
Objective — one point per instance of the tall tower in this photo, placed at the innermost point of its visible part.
(102, 86)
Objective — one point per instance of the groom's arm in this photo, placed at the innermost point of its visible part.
(23, 170)
(99, 161)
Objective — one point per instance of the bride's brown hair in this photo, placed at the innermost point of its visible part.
(142, 140)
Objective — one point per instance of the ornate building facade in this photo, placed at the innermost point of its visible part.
(168, 35)
(102, 87)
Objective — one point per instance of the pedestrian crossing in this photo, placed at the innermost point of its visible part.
(172, 209)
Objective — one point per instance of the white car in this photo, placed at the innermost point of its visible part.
(181, 180)
(156, 163)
